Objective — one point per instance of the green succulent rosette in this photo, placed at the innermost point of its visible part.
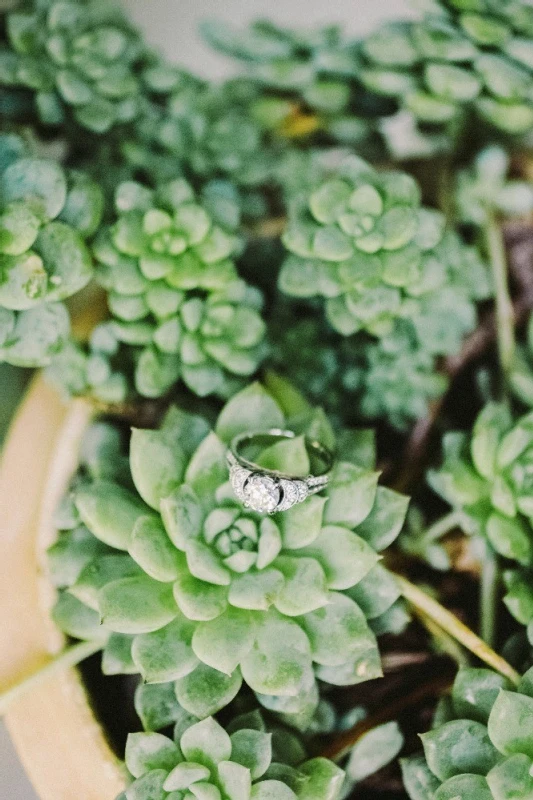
(46, 214)
(80, 59)
(460, 58)
(521, 374)
(481, 746)
(179, 310)
(357, 378)
(488, 476)
(308, 81)
(362, 241)
(209, 593)
(487, 186)
(204, 762)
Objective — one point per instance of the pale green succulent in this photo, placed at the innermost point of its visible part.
(204, 762)
(481, 747)
(179, 310)
(46, 214)
(488, 475)
(464, 57)
(362, 241)
(212, 593)
(78, 58)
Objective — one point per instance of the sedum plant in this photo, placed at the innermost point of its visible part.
(490, 719)
(209, 593)
(206, 762)
(461, 59)
(46, 216)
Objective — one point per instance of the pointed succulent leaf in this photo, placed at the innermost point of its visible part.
(152, 549)
(156, 705)
(304, 588)
(418, 780)
(464, 787)
(182, 515)
(157, 464)
(206, 690)
(148, 751)
(109, 511)
(351, 493)
(279, 659)
(253, 750)
(344, 556)
(337, 631)
(301, 524)
(475, 692)
(385, 520)
(511, 778)
(271, 790)
(199, 600)
(460, 746)
(374, 750)
(136, 605)
(223, 642)
(510, 723)
(252, 409)
(165, 654)
(206, 743)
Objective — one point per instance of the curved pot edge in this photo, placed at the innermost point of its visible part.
(57, 736)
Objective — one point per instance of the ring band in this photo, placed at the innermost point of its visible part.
(266, 490)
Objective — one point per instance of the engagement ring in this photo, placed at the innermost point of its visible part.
(266, 490)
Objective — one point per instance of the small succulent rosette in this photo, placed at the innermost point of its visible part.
(204, 762)
(81, 59)
(308, 80)
(480, 747)
(207, 593)
(460, 58)
(362, 241)
(179, 311)
(488, 476)
(46, 215)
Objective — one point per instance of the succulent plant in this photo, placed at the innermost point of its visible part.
(81, 59)
(486, 186)
(177, 303)
(357, 378)
(362, 241)
(481, 750)
(461, 57)
(309, 81)
(46, 214)
(488, 476)
(204, 762)
(211, 593)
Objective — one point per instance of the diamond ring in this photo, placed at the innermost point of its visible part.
(268, 491)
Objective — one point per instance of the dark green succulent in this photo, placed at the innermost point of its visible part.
(489, 476)
(209, 593)
(83, 58)
(308, 81)
(463, 56)
(481, 747)
(357, 378)
(204, 762)
(46, 214)
(174, 294)
(362, 241)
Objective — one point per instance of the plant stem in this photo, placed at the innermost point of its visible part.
(488, 595)
(431, 608)
(69, 657)
(455, 519)
(504, 307)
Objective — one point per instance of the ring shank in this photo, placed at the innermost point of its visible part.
(314, 448)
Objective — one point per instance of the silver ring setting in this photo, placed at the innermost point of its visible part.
(268, 491)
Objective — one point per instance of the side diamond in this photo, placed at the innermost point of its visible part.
(238, 477)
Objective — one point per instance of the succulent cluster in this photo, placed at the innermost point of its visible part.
(480, 747)
(461, 58)
(362, 241)
(179, 310)
(209, 593)
(207, 763)
(80, 59)
(46, 216)
(393, 378)
(309, 80)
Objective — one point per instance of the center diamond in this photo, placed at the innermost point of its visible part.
(262, 493)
